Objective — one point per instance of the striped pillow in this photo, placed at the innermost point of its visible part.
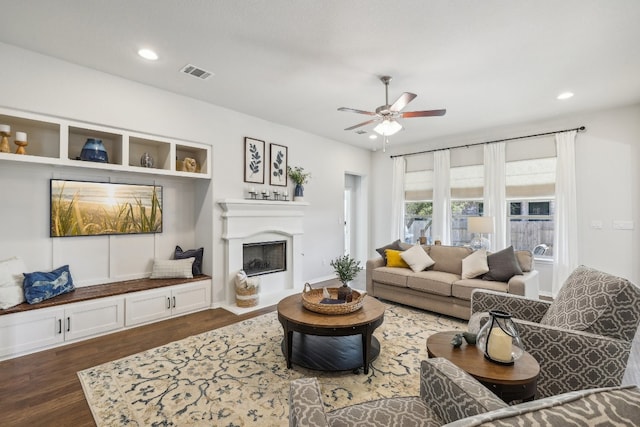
(172, 268)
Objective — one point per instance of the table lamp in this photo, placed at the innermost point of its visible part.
(480, 225)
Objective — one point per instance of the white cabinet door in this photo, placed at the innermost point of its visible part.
(191, 297)
(23, 332)
(93, 318)
(148, 306)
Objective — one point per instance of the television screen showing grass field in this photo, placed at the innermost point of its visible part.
(80, 208)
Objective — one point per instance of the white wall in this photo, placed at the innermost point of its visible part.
(37, 83)
(607, 163)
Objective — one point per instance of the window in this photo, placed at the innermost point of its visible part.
(460, 211)
(531, 226)
(530, 204)
(467, 188)
(418, 196)
(417, 220)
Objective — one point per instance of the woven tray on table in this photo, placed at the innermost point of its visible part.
(311, 301)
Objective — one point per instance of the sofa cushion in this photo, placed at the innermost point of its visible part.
(586, 296)
(503, 265)
(448, 258)
(452, 393)
(433, 282)
(525, 260)
(396, 411)
(475, 264)
(417, 258)
(392, 276)
(464, 288)
(394, 259)
(619, 406)
(397, 246)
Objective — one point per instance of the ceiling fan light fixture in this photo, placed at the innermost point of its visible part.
(387, 127)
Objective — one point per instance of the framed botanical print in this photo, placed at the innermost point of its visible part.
(278, 172)
(253, 160)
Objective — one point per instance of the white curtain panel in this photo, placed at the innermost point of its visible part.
(442, 197)
(397, 199)
(565, 240)
(495, 203)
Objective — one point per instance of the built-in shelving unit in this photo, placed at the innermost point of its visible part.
(57, 141)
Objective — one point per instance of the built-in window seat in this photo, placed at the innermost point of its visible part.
(104, 290)
(91, 311)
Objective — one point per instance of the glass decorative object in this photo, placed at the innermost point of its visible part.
(146, 160)
(499, 339)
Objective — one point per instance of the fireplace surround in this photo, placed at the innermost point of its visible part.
(249, 222)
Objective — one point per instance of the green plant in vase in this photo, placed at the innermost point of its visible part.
(346, 268)
(300, 177)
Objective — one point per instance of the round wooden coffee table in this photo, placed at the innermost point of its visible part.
(330, 342)
(515, 382)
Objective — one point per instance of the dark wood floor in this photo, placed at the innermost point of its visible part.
(42, 389)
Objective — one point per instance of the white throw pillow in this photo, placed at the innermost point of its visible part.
(172, 268)
(475, 264)
(417, 258)
(11, 278)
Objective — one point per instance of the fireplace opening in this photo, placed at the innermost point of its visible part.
(264, 257)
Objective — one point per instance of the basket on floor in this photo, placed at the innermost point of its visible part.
(311, 301)
(247, 290)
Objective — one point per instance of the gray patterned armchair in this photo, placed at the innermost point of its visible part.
(582, 339)
(449, 396)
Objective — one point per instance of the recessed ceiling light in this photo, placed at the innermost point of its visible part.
(148, 54)
(373, 136)
(565, 95)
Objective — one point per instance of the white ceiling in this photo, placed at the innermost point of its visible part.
(294, 62)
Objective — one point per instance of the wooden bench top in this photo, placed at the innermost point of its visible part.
(101, 291)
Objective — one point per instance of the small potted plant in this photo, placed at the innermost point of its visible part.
(300, 177)
(347, 269)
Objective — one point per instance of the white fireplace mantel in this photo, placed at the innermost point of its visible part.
(251, 221)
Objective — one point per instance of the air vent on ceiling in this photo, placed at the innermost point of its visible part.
(194, 71)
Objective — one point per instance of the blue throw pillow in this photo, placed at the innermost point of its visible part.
(39, 286)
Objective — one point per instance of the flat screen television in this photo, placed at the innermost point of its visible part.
(83, 208)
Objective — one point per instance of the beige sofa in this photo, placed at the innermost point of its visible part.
(441, 288)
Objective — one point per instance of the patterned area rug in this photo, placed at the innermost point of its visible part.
(237, 375)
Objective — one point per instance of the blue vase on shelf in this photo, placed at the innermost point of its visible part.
(94, 151)
(298, 193)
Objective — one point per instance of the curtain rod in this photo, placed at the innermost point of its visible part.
(578, 129)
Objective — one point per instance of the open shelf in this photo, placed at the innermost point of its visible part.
(112, 143)
(56, 141)
(43, 137)
(159, 151)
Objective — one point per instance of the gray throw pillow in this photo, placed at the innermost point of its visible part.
(503, 265)
(396, 246)
(196, 268)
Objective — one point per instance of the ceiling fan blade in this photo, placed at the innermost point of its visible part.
(361, 124)
(402, 101)
(353, 110)
(428, 113)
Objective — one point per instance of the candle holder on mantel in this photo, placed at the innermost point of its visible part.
(4, 143)
(21, 142)
(499, 339)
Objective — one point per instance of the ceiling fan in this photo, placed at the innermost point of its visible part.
(386, 115)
